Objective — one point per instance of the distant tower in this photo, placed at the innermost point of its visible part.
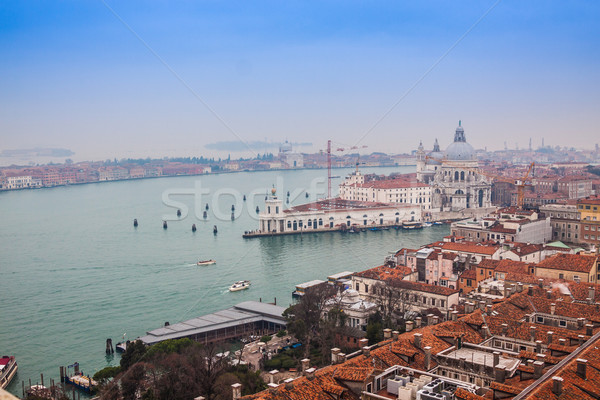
(529, 144)
(420, 160)
(542, 143)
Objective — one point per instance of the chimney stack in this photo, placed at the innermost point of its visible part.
(305, 364)
(482, 305)
(582, 368)
(562, 342)
(541, 283)
(409, 326)
(538, 369)
(395, 335)
(418, 339)
(538, 346)
(429, 319)
(519, 287)
(592, 294)
(310, 373)
(454, 315)
(557, 385)
(334, 355)
(500, 373)
(552, 308)
(366, 351)
(489, 309)
(436, 319)
(548, 294)
(550, 333)
(532, 333)
(387, 333)
(427, 358)
(530, 290)
(236, 390)
(504, 329)
(418, 322)
(589, 329)
(289, 383)
(580, 339)
(272, 374)
(496, 358)
(363, 342)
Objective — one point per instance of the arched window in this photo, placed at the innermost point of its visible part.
(462, 175)
(456, 175)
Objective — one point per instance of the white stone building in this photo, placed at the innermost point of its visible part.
(455, 181)
(398, 190)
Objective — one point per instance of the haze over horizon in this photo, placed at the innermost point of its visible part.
(137, 79)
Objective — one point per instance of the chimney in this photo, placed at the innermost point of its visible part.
(580, 339)
(532, 333)
(237, 390)
(592, 294)
(496, 358)
(538, 368)
(395, 335)
(500, 373)
(548, 294)
(482, 305)
(418, 322)
(552, 308)
(334, 355)
(582, 368)
(305, 364)
(387, 333)
(519, 287)
(468, 307)
(504, 329)
(272, 386)
(580, 322)
(557, 385)
(562, 342)
(550, 333)
(366, 351)
(454, 315)
(409, 326)
(462, 361)
(589, 329)
(489, 309)
(506, 291)
(530, 290)
(436, 319)
(310, 373)
(427, 358)
(272, 374)
(485, 331)
(429, 319)
(418, 338)
(289, 383)
(363, 342)
(541, 283)
(538, 346)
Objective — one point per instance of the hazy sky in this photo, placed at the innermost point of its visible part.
(73, 75)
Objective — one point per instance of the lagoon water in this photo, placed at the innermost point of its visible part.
(74, 271)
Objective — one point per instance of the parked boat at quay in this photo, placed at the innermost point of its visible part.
(239, 285)
(77, 378)
(8, 369)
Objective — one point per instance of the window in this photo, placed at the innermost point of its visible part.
(562, 323)
(540, 319)
(366, 288)
(561, 276)
(433, 302)
(508, 346)
(442, 303)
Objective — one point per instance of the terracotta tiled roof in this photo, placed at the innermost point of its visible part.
(523, 250)
(469, 247)
(569, 262)
(469, 274)
(464, 394)
(353, 374)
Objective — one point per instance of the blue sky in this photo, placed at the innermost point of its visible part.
(74, 76)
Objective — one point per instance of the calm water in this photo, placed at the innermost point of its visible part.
(74, 271)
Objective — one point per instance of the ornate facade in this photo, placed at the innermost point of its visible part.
(454, 176)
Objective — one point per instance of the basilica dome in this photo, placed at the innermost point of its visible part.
(460, 150)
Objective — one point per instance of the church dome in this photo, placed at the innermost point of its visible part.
(460, 150)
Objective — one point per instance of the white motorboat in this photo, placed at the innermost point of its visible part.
(207, 262)
(239, 285)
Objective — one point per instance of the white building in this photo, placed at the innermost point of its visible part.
(21, 182)
(289, 158)
(356, 310)
(332, 214)
(399, 190)
(454, 176)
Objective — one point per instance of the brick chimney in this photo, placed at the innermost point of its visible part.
(548, 294)
(366, 351)
(496, 357)
(550, 333)
(532, 333)
(562, 342)
(538, 369)
(589, 329)
(427, 350)
(387, 333)
(582, 368)
(272, 374)
(236, 390)
(436, 319)
(592, 294)
(580, 339)
(395, 335)
(519, 287)
(418, 339)
(418, 322)
(363, 342)
(310, 373)
(530, 290)
(409, 326)
(500, 373)
(557, 385)
(504, 329)
(541, 283)
(538, 346)
(289, 383)
(429, 319)
(488, 309)
(454, 315)
(482, 305)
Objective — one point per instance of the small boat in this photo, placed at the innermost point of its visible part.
(8, 369)
(437, 223)
(411, 225)
(121, 347)
(215, 229)
(426, 225)
(239, 285)
(179, 213)
(206, 206)
(232, 216)
(375, 229)
(193, 227)
(135, 223)
(288, 193)
(164, 224)
(257, 209)
(204, 215)
(306, 195)
(244, 197)
(233, 207)
(206, 262)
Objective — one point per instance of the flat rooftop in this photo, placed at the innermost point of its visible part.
(483, 358)
(242, 313)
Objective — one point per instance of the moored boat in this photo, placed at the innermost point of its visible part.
(8, 369)
(411, 225)
(207, 262)
(239, 285)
